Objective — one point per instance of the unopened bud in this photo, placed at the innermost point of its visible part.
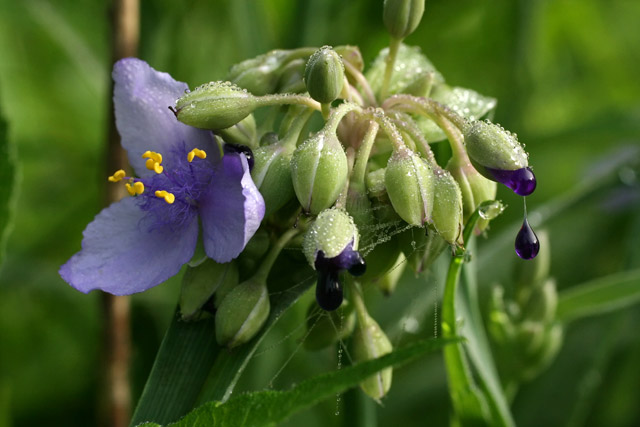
(215, 105)
(497, 154)
(447, 208)
(242, 133)
(324, 75)
(370, 342)
(388, 283)
(259, 75)
(421, 247)
(542, 303)
(242, 313)
(409, 181)
(272, 175)
(319, 171)
(292, 77)
(474, 188)
(402, 17)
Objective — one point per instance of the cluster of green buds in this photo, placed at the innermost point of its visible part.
(343, 158)
(522, 319)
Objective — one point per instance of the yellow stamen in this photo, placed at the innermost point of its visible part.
(153, 161)
(168, 197)
(117, 176)
(130, 189)
(196, 152)
(138, 187)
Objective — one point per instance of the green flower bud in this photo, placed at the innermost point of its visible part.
(249, 259)
(324, 75)
(491, 146)
(370, 342)
(474, 188)
(242, 313)
(375, 183)
(319, 171)
(331, 232)
(242, 133)
(421, 249)
(548, 350)
(215, 105)
(447, 208)
(421, 84)
(199, 284)
(259, 75)
(326, 328)
(381, 259)
(272, 175)
(352, 55)
(359, 207)
(409, 181)
(401, 17)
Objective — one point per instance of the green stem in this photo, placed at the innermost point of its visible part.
(356, 296)
(360, 167)
(326, 110)
(287, 99)
(290, 139)
(331, 126)
(405, 122)
(341, 203)
(388, 127)
(426, 107)
(267, 264)
(394, 45)
(362, 81)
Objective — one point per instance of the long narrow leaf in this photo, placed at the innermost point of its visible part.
(270, 407)
(600, 296)
(7, 189)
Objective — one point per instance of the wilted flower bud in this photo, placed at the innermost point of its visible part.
(330, 247)
(272, 175)
(370, 342)
(447, 208)
(242, 313)
(319, 171)
(409, 181)
(497, 154)
(402, 17)
(324, 75)
(327, 328)
(215, 105)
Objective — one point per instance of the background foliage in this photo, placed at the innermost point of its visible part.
(565, 75)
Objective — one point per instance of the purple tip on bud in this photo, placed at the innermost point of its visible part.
(329, 290)
(521, 181)
(527, 244)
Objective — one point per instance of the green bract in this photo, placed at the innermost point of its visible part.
(491, 146)
(324, 75)
(215, 105)
(401, 17)
(409, 182)
(330, 233)
(474, 188)
(319, 170)
(447, 207)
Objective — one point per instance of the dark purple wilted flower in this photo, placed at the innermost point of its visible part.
(141, 241)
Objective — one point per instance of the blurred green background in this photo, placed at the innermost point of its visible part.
(564, 72)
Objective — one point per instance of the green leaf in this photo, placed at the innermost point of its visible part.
(7, 189)
(599, 296)
(270, 407)
(191, 368)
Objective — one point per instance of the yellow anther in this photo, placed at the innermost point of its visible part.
(117, 176)
(196, 152)
(157, 157)
(130, 189)
(138, 187)
(168, 197)
(154, 165)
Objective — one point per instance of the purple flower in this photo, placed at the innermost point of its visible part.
(141, 241)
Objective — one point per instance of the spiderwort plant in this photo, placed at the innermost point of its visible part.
(183, 183)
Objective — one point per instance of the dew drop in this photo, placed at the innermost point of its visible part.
(328, 290)
(527, 244)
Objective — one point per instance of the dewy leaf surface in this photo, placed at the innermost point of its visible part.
(270, 407)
